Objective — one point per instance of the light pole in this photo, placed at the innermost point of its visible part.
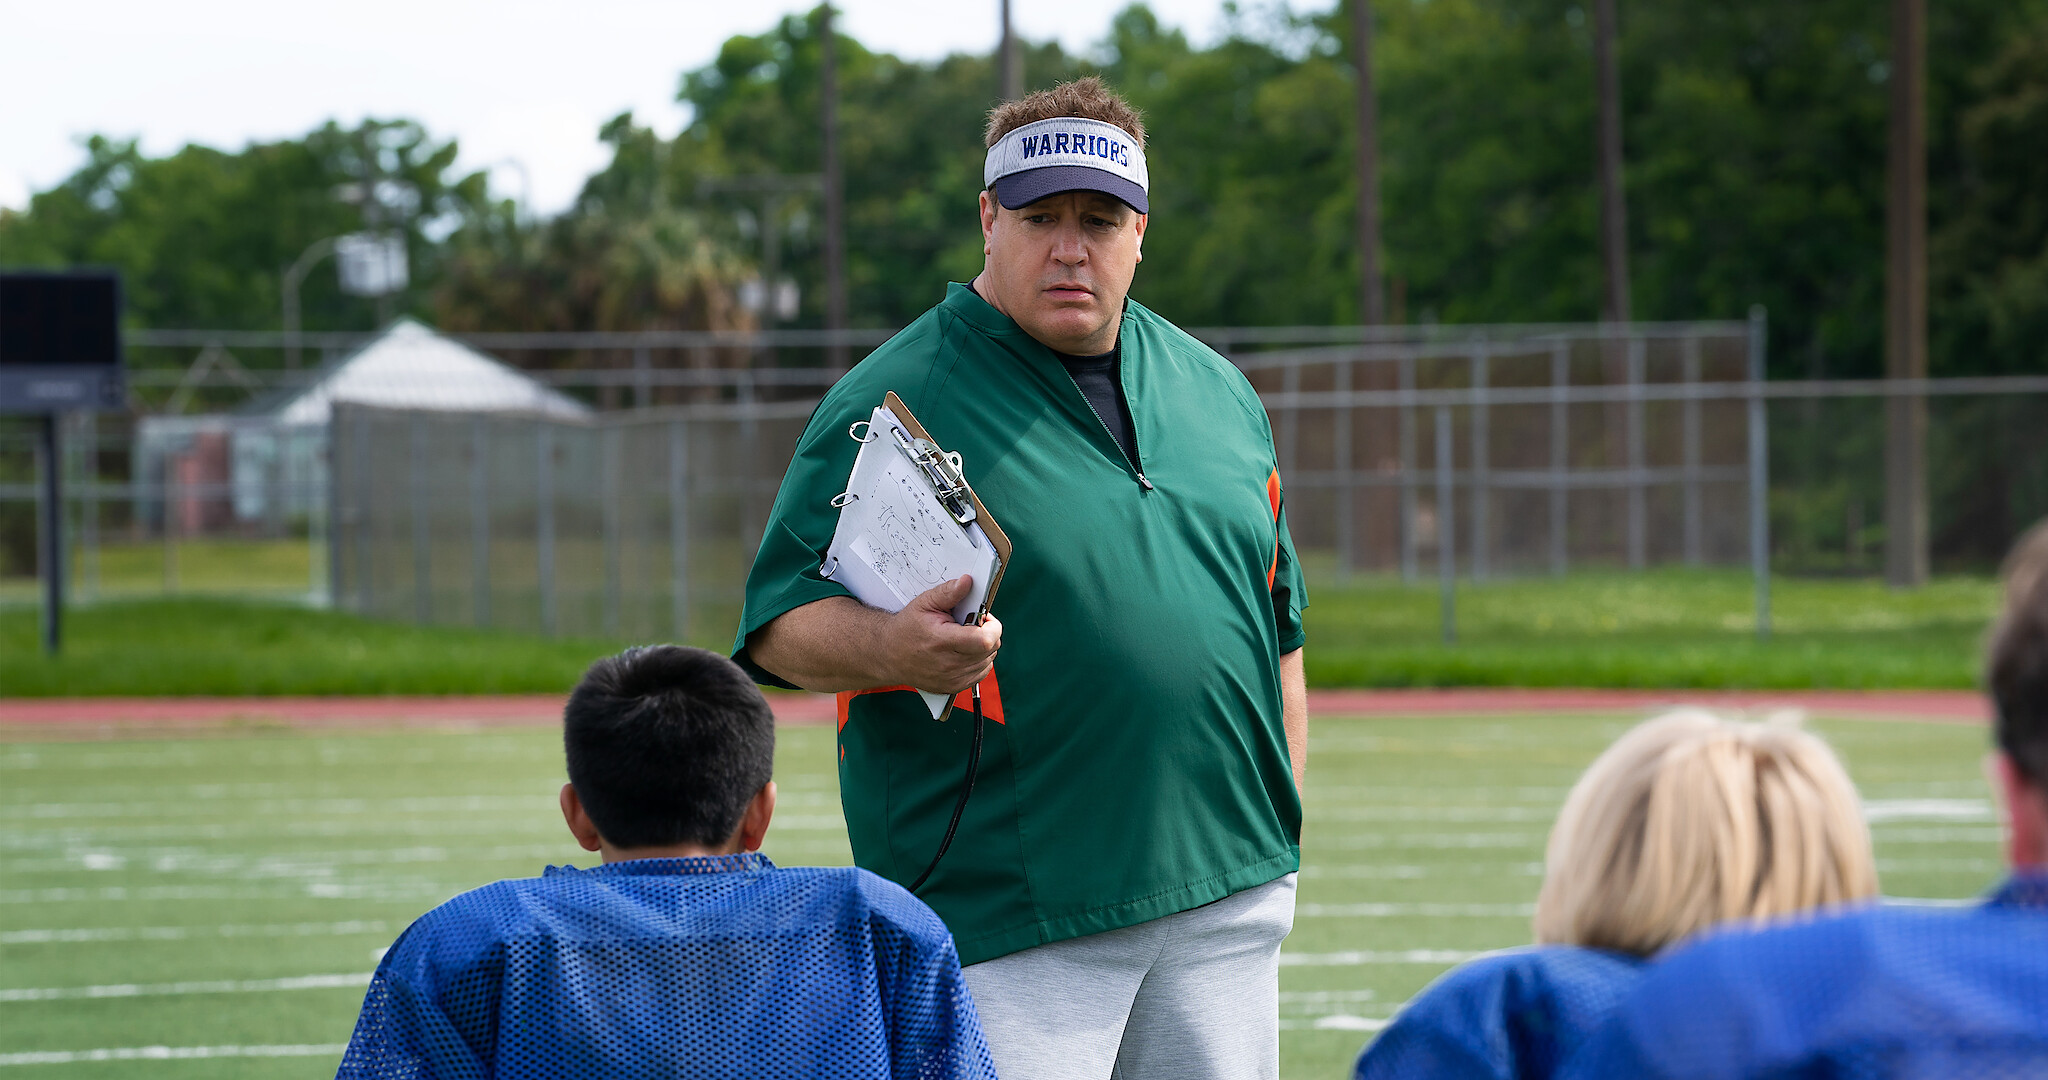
(294, 275)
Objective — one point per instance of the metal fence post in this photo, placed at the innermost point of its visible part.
(751, 522)
(1560, 478)
(1405, 373)
(1290, 421)
(1690, 422)
(167, 490)
(1446, 536)
(365, 533)
(679, 528)
(422, 568)
(480, 518)
(1759, 475)
(1346, 495)
(1638, 487)
(86, 444)
(330, 462)
(544, 522)
(1480, 417)
(608, 485)
(50, 528)
(643, 378)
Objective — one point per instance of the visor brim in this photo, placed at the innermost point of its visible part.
(1019, 190)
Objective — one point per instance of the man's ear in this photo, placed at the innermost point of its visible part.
(754, 823)
(989, 209)
(1142, 219)
(580, 825)
(2026, 812)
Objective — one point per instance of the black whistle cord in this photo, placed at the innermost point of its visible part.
(966, 789)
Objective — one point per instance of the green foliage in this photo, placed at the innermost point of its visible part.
(1755, 135)
(202, 237)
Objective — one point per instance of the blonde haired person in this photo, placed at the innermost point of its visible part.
(1886, 991)
(1687, 821)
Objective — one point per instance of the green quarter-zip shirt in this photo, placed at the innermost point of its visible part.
(1135, 764)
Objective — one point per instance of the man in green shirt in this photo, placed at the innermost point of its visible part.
(1124, 871)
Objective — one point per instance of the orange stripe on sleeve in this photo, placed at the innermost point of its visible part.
(1273, 500)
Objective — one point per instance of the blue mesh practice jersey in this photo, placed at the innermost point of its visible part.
(705, 967)
(1511, 1016)
(1889, 992)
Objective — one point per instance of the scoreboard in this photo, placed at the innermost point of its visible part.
(60, 341)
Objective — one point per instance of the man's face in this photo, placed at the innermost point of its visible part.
(1062, 266)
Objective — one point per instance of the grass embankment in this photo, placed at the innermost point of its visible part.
(1667, 628)
(194, 646)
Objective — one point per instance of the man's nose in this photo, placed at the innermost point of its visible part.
(1069, 247)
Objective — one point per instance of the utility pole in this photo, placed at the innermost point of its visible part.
(1614, 300)
(1009, 61)
(1905, 315)
(293, 277)
(1371, 300)
(835, 239)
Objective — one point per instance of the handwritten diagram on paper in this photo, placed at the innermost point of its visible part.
(894, 533)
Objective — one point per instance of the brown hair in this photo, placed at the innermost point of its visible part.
(1690, 820)
(1089, 98)
(2016, 660)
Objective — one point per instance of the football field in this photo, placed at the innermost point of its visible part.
(212, 906)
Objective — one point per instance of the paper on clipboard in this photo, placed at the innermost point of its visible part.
(895, 540)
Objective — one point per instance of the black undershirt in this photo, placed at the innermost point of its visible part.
(1100, 382)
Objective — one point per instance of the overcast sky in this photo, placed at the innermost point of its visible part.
(525, 80)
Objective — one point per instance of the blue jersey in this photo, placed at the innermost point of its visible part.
(1512, 1016)
(704, 967)
(1879, 992)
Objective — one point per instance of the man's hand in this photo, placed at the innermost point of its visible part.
(842, 644)
(935, 653)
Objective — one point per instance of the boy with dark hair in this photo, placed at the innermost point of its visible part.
(1884, 991)
(687, 953)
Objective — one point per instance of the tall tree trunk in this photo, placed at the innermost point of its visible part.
(1614, 300)
(1371, 297)
(835, 238)
(1010, 63)
(1905, 321)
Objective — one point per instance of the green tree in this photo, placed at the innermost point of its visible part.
(202, 236)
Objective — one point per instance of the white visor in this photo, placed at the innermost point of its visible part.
(1067, 153)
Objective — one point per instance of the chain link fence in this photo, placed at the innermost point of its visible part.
(1477, 452)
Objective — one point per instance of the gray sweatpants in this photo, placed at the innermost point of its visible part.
(1192, 995)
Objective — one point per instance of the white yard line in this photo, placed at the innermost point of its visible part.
(1402, 871)
(1337, 1022)
(313, 890)
(1438, 840)
(169, 1053)
(1393, 956)
(1411, 910)
(96, 934)
(1487, 814)
(180, 989)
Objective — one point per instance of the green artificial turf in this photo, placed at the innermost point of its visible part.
(1662, 628)
(240, 860)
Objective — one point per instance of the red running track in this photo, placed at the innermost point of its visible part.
(110, 717)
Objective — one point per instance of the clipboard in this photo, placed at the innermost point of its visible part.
(909, 520)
